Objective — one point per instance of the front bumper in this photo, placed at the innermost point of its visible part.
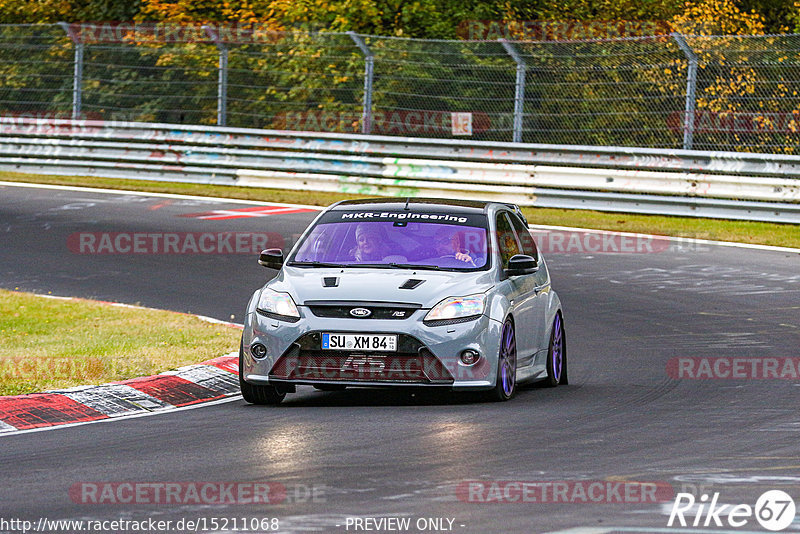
(426, 356)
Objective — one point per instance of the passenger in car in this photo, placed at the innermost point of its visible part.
(371, 245)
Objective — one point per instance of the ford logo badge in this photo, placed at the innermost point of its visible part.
(360, 312)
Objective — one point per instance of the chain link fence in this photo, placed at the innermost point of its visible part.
(671, 91)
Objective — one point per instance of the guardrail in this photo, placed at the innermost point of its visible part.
(671, 182)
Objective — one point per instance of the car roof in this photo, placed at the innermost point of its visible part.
(419, 204)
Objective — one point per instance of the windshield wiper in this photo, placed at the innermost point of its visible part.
(396, 266)
(314, 264)
(366, 265)
(415, 266)
(370, 265)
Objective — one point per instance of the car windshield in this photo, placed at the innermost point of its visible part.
(459, 243)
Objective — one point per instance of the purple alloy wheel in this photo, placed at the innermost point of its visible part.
(508, 359)
(558, 349)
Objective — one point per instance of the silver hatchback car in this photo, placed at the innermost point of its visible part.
(405, 293)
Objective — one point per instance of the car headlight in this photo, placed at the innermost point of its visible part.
(277, 305)
(457, 309)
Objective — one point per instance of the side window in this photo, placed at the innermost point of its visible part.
(525, 238)
(506, 240)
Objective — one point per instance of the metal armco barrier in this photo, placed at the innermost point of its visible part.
(670, 182)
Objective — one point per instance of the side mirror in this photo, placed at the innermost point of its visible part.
(272, 258)
(522, 264)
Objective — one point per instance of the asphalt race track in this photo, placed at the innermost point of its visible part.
(361, 454)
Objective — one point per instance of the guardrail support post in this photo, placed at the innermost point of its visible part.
(519, 89)
(77, 73)
(222, 77)
(691, 89)
(369, 63)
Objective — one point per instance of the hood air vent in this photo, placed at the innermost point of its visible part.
(330, 281)
(411, 283)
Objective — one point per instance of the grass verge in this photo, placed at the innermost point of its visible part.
(54, 343)
(782, 235)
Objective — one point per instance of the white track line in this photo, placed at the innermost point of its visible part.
(203, 318)
(684, 240)
(160, 195)
(319, 208)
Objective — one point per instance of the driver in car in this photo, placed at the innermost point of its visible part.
(448, 243)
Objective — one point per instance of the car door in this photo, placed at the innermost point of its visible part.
(520, 290)
(537, 302)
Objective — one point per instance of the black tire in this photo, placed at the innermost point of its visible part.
(255, 394)
(557, 355)
(506, 382)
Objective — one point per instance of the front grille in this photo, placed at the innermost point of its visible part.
(341, 310)
(411, 364)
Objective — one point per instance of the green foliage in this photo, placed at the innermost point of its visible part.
(103, 10)
(779, 16)
(432, 19)
(599, 93)
(50, 11)
(651, 10)
(40, 11)
(794, 17)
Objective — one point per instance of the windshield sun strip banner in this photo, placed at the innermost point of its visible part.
(465, 219)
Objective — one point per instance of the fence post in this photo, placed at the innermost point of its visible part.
(77, 73)
(691, 89)
(222, 76)
(369, 61)
(519, 89)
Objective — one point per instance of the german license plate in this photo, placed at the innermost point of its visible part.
(372, 342)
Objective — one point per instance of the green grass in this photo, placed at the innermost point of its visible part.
(784, 235)
(52, 344)
(762, 233)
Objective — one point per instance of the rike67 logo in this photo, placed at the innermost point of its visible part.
(774, 510)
